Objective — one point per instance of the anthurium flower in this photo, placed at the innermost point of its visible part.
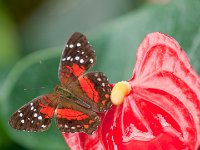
(160, 111)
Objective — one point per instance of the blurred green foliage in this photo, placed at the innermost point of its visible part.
(115, 28)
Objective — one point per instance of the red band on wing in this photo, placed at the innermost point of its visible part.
(70, 114)
(47, 111)
(88, 87)
(77, 70)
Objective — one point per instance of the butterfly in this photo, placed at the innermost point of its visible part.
(75, 101)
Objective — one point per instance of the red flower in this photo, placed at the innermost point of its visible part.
(162, 109)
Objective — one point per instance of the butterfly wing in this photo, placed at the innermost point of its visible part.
(77, 57)
(71, 117)
(95, 89)
(36, 115)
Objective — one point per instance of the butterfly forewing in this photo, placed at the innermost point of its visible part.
(71, 117)
(77, 57)
(35, 115)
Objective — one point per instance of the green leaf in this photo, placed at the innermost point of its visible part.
(115, 44)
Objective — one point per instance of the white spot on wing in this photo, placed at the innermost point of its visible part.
(78, 44)
(40, 118)
(31, 104)
(43, 126)
(91, 60)
(99, 79)
(68, 58)
(35, 115)
(71, 46)
(22, 121)
(32, 108)
(81, 61)
(20, 114)
(63, 59)
(77, 57)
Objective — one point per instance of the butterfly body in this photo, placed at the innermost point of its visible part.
(65, 94)
(75, 101)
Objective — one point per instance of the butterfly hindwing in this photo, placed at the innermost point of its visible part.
(36, 115)
(77, 57)
(71, 117)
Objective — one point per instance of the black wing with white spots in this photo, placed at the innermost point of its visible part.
(77, 57)
(36, 115)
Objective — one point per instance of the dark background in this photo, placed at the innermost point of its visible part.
(32, 34)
